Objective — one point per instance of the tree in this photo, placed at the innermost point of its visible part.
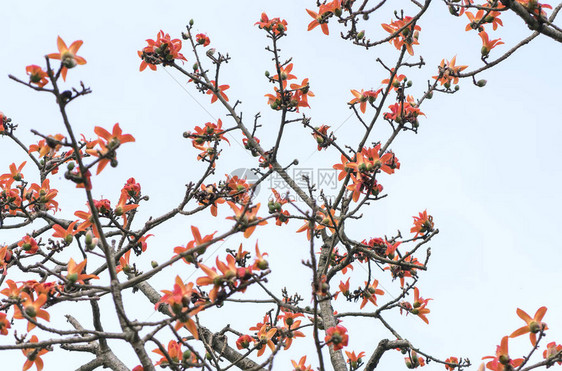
(49, 265)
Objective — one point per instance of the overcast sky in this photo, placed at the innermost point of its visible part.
(485, 163)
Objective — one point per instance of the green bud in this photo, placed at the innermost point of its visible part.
(191, 22)
(154, 263)
(457, 88)
(70, 166)
(481, 83)
(409, 84)
(89, 237)
(360, 35)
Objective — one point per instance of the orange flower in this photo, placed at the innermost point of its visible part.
(12, 291)
(28, 244)
(370, 292)
(488, 44)
(47, 147)
(362, 97)
(5, 257)
(344, 288)
(402, 272)
(4, 324)
(260, 263)
(124, 263)
(535, 7)
(67, 55)
(301, 365)
(33, 355)
(448, 72)
(454, 360)
(246, 218)
(264, 337)
(228, 271)
(123, 208)
(396, 80)
(179, 301)
(74, 272)
(337, 337)
(36, 75)
(274, 25)
(405, 111)
(244, 342)
(534, 325)
(501, 360)
(324, 220)
(197, 241)
(174, 351)
(321, 135)
(115, 138)
(3, 120)
(419, 306)
(220, 89)
(142, 242)
(45, 196)
(413, 361)
(284, 75)
(66, 234)
(32, 309)
(202, 39)
(476, 21)
(162, 50)
(355, 360)
(14, 175)
(422, 224)
(108, 142)
(325, 11)
(132, 188)
(552, 350)
(402, 35)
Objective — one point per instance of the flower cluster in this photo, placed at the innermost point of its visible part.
(290, 99)
(404, 32)
(363, 169)
(325, 11)
(164, 50)
(404, 111)
(276, 26)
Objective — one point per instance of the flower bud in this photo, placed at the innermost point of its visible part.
(186, 355)
(154, 263)
(89, 237)
(481, 83)
(360, 35)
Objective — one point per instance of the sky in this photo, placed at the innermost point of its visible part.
(485, 162)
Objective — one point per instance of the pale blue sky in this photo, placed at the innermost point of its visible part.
(485, 163)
